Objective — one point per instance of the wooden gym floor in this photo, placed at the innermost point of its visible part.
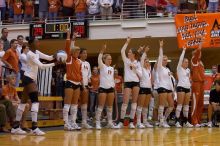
(124, 137)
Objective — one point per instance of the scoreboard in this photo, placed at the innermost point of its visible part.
(57, 30)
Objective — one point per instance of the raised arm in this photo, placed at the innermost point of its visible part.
(181, 58)
(144, 55)
(124, 58)
(100, 62)
(70, 42)
(160, 58)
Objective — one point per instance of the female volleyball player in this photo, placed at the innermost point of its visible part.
(183, 90)
(145, 91)
(72, 85)
(133, 73)
(165, 87)
(86, 74)
(106, 88)
(30, 90)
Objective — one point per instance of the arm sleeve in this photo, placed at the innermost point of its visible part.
(142, 59)
(181, 59)
(195, 58)
(160, 59)
(101, 64)
(123, 55)
(41, 65)
(2, 53)
(44, 56)
(67, 46)
(6, 56)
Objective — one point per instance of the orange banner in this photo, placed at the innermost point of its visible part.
(191, 28)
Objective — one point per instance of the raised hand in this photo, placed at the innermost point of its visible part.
(102, 50)
(141, 48)
(184, 48)
(161, 43)
(146, 49)
(128, 39)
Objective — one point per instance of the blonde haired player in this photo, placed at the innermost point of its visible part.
(106, 88)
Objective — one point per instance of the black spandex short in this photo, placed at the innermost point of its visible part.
(27, 80)
(131, 84)
(109, 90)
(69, 84)
(181, 89)
(145, 91)
(163, 90)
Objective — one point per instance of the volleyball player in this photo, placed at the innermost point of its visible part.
(86, 74)
(133, 73)
(165, 88)
(106, 88)
(30, 90)
(145, 91)
(183, 90)
(72, 85)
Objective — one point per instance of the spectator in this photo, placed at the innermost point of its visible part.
(36, 8)
(171, 7)
(93, 8)
(28, 10)
(80, 9)
(20, 40)
(9, 93)
(54, 6)
(202, 5)
(2, 9)
(131, 7)
(17, 8)
(2, 52)
(94, 85)
(213, 6)
(68, 7)
(183, 5)
(151, 7)
(192, 5)
(11, 10)
(117, 6)
(4, 37)
(214, 102)
(106, 9)
(43, 9)
(11, 59)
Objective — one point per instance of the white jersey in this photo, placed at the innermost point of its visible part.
(183, 74)
(86, 72)
(33, 63)
(156, 79)
(18, 49)
(23, 60)
(164, 74)
(145, 81)
(106, 74)
(131, 74)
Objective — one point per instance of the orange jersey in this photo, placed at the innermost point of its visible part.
(73, 66)
(10, 92)
(17, 6)
(95, 82)
(198, 71)
(118, 84)
(29, 7)
(81, 7)
(12, 58)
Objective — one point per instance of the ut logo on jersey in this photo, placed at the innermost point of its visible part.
(109, 72)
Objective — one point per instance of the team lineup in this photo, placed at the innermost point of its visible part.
(141, 83)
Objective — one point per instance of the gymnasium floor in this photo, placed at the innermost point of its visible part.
(125, 137)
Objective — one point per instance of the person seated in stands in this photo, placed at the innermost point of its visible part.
(106, 9)
(214, 102)
(9, 93)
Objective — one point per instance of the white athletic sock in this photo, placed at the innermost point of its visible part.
(167, 112)
(20, 111)
(109, 114)
(34, 111)
(178, 110)
(186, 111)
(123, 110)
(34, 116)
(98, 113)
(66, 109)
(144, 114)
(138, 112)
(133, 110)
(73, 113)
(84, 113)
(160, 112)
